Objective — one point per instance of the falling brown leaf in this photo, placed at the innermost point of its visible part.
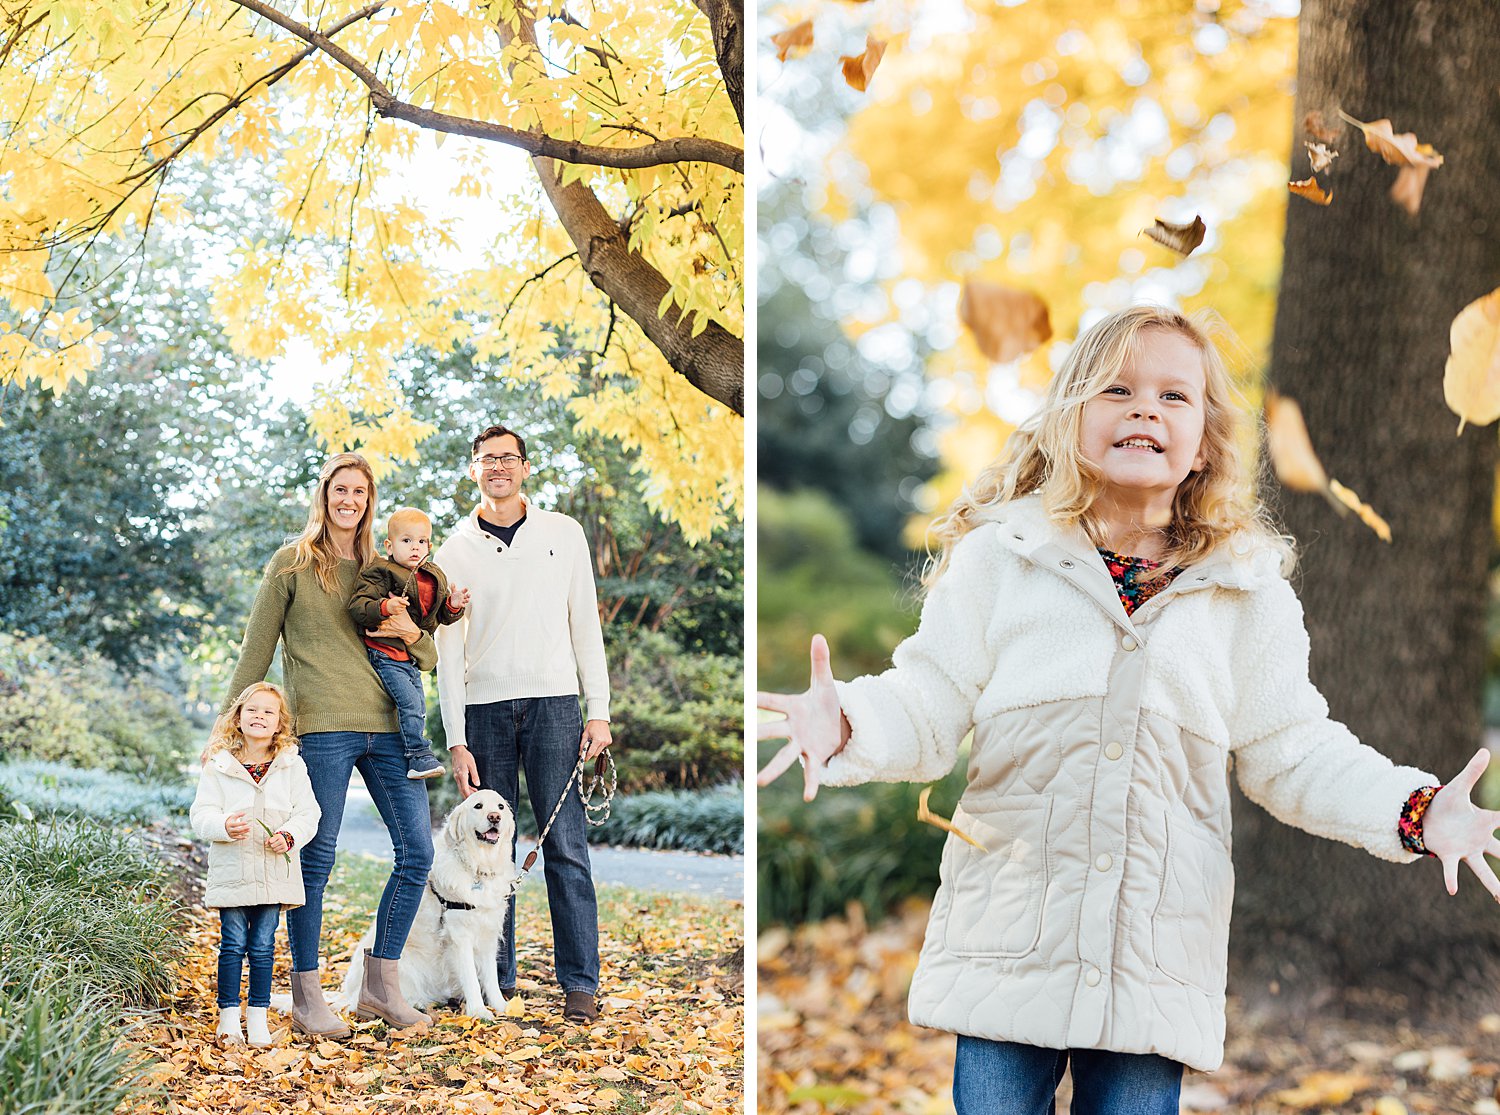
(859, 68)
(1292, 454)
(1320, 156)
(927, 816)
(1314, 125)
(1310, 189)
(798, 37)
(1006, 323)
(1181, 239)
(1297, 465)
(1471, 378)
(1398, 150)
(1410, 182)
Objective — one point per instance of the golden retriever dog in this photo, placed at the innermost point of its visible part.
(450, 952)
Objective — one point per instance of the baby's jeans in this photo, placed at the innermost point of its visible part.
(404, 684)
(1003, 1078)
(247, 931)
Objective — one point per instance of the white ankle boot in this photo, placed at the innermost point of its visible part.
(228, 1032)
(257, 1033)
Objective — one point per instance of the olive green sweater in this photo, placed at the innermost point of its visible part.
(331, 683)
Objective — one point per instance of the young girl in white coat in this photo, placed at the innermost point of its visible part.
(254, 805)
(1110, 618)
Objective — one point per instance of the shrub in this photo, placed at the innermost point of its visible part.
(679, 716)
(56, 1054)
(49, 788)
(85, 905)
(691, 820)
(860, 845)
(74, 707)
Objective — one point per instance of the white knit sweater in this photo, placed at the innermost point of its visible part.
(532, 625)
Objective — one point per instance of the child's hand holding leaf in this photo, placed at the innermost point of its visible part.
(276, 843)
(1457, 831)
(813, 724)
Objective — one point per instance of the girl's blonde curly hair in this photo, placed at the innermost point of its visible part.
(226, 735)
(1044, 455)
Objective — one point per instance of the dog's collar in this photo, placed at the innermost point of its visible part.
(445, 903)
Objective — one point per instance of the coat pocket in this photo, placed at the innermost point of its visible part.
(1190, 928)
(997, 895)
(226, 866)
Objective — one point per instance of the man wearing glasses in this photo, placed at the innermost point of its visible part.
(509, 678)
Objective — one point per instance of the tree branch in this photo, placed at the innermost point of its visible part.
(726, 19)
(682, 149)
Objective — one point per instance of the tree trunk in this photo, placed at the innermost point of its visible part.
(1398, 631)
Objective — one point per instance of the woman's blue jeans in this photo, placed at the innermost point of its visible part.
(1003, 1078)
(247, 931)
(331, 757)
(541, 735)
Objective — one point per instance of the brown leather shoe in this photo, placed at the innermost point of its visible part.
(580, 1007)
(310, 1013)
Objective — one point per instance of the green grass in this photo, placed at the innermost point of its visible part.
(110, 797)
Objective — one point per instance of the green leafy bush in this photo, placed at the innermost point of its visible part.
(860, 845)
(694, 821)
(678, 716)
(110, 798)
(86, 905)
(75, 707)
(56, 1053)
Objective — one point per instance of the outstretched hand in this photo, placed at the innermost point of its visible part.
(1457, 831)
(812, 724)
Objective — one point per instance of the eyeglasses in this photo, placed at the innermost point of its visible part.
(506, 461)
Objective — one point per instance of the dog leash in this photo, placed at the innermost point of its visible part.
(595, 813)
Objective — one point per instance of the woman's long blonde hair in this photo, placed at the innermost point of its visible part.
(313, 547)
(226, 734)
(1044, 456)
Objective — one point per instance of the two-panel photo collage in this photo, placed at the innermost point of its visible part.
(866, 557)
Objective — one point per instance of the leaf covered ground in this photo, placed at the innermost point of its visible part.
(833, 1036)
(669, 1038)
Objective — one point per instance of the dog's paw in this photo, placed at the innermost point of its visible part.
(479, 1011)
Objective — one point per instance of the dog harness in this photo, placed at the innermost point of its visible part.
(446, 904)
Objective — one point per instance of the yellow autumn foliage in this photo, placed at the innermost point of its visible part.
(106, 100)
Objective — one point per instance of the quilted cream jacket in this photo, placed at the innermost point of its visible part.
(1097, 915)
(243, 872)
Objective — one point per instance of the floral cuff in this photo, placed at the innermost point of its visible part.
(290, 843)
(1410, 824)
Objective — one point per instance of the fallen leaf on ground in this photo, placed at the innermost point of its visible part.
(1006, 324)
(1309, 188)
(859, 68)
(1320, 1089)
(797, 38)
(1471, 377)
(1181, 239)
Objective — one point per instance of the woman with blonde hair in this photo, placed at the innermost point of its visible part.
(347, 722)
(1111, 620)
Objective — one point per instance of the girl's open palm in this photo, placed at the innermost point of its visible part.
(813, 724)
(1456, 831)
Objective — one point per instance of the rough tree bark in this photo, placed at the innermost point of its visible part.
(1398, 633)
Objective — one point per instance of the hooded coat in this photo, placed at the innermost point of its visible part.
(243, 872)
(1096, 914)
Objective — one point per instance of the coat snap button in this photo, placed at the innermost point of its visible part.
(1113, 750)
(1065, 563)
(1105, 862)
(1128, 642)
(1092, 977)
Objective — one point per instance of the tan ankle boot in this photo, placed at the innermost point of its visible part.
(381, 997)
(310, 1013)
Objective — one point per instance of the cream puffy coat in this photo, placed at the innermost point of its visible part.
(243, 872)
(1097, 915)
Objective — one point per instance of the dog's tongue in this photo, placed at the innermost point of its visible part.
(491, 836)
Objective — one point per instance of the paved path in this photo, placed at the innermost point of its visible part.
(644, 869)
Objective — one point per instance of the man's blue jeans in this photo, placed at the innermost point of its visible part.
(1003, 1078)
(247, 931)
(331, 758)
(403, 683)
(541, 735)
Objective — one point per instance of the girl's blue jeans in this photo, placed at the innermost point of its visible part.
(1003, 1078)
(541, 736)
(331, 758)
(247, 931)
